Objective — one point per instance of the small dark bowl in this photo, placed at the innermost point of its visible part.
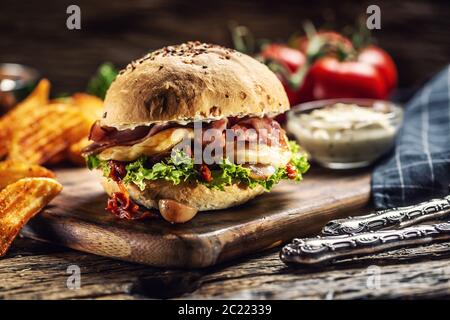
(16, 82)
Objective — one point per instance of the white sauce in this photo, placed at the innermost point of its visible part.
(344, 133)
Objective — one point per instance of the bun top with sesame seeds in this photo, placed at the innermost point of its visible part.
(192, 82)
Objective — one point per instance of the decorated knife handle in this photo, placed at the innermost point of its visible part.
(390, 218)
(324, 250)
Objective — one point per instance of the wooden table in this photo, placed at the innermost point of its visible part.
(35, 270)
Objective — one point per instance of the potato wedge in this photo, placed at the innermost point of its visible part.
(74, 152)
(92, 109)
(4, 138)
(17, 116)
(12, 171)
(36, 99)
(49, 133)
(63, 100)
(58, 158)
(91, 106)
(21, 201)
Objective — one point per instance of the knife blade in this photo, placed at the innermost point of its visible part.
(402, 217)
(325, 250)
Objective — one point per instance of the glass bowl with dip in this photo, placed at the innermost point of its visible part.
(16, 82)
(345, 133)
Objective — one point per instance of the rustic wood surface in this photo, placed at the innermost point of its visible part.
(38, 270)
(35, 270)
(77, 219)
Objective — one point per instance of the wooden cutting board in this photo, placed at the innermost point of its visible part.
(77, 219)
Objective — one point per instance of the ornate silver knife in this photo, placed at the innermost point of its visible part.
(323, 250)
(391, 218)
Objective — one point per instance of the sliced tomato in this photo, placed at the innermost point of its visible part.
(205, 173)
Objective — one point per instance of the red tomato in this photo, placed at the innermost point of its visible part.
(331, 38)
(293, 94)
(205, 173)
(372, 74)
(381, 60)
(301, 94)
(290, 58)
(346, 79)
(291, 171)
(369, 73)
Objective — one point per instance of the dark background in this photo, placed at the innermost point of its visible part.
(416, 33)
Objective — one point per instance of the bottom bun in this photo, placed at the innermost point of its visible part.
(194, 195)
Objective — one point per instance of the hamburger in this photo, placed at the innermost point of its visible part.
(163, 140)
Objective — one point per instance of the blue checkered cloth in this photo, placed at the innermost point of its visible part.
(419, 166)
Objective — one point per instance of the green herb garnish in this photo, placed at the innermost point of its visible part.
(101, 81)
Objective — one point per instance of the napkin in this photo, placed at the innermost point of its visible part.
(419, 166)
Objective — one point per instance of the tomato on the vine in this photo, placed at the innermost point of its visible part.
(289, 57)
(381, 60)
(326, 65)
(285, 62)
(346, 79)
(333, 40)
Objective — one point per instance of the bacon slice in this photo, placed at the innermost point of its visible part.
(265, 130)
(120, 203)
(106, 137)
(211, 133)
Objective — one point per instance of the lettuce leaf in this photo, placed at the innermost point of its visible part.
(176, 169)
(93, 162)
(180, 168)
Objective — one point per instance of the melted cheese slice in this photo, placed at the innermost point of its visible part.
(165, 140)
(264, 154)
(161, 142)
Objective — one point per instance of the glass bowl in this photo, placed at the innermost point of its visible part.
(16, 82)
(345, 133)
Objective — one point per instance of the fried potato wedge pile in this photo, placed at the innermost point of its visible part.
(43, 131)
(39, 131)
(90, 106)
(74, 152)
(25, 190)
(51, 131)
(15, 118)
(11, 171)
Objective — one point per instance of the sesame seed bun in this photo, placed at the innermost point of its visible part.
(191, 82)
